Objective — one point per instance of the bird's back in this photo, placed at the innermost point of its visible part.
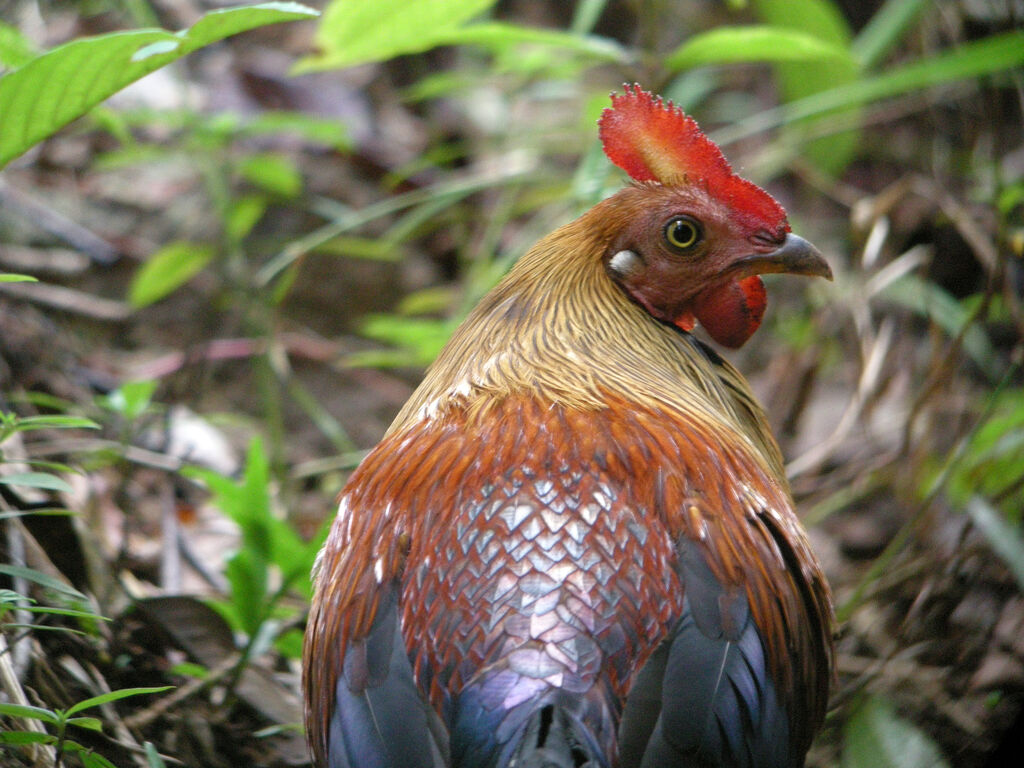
(541, 554)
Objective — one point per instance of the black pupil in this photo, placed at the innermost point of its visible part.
(683, 233)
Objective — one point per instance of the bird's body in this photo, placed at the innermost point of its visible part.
(575, 545)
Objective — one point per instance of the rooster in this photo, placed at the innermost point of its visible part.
(576, 545)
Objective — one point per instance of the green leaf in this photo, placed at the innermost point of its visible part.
(244, 213)
(53, 89)
(89, 758)
(42, 579)
(975, 59)
(11, 278)
(45, 609)
(877, 737)
(752, 43)
(15, 48)
(289, 644)
(823, 20)
(166, 270)
(424, 337)
(153, 758)
(28, 712)
(274, 173)
(266, 540)
(106, 698)
(353, 246)
(587, 14)
(190, 669)
(89, 723)
(314, 129)
(886, 27)
(932, 301)
(132, 398)
(1004, 539)
(992, 462)
(819, 18)
(247, 577)
(246, 502)
(26, 737)
(42, 480)
(357, 32)
(500, 36)
(999, 53)
(55, 422)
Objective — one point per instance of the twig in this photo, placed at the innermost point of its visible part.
(146, 716)
(68, 300)
(868, 384)
(41, 753)
(56, 223)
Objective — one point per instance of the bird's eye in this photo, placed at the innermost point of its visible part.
(682, 233)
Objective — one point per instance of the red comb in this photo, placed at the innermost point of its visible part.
(653, 140)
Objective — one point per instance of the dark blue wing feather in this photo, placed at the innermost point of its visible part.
(380, 719)
(706, 699)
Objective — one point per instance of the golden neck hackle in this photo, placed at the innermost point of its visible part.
(559, 329)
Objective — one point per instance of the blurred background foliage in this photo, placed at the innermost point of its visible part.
(227, 253)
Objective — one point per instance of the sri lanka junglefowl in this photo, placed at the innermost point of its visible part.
(576, 545)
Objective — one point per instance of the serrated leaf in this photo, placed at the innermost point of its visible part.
(358, 32)
(752, 43)
(166, 270)
(63, 84)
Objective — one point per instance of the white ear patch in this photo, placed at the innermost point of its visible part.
(623, 262)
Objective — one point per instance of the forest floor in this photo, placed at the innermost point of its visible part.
(877, 406)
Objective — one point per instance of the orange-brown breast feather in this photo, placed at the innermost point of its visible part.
(408, 507)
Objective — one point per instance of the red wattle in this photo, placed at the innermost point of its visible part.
(732, 313)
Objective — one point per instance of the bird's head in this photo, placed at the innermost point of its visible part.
(691, 237)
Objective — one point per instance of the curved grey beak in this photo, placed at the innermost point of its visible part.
(795, 256)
